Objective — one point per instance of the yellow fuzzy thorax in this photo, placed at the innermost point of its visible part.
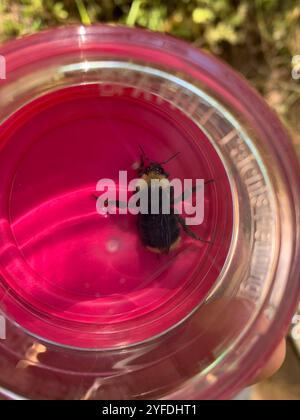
(152, 175)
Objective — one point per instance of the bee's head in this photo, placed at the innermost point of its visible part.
(155, 169)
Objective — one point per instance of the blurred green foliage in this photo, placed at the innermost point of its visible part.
(210, 23)
(258, 37)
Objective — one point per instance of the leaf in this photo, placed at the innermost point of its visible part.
(59, 11)
(203, 15)
(222, 32)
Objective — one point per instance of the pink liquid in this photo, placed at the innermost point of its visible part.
(80, 279)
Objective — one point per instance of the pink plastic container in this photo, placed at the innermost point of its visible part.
(92, 314)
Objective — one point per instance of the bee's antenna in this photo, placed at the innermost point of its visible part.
(143, 153)
(171, 158)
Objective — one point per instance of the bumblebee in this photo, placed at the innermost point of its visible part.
(160, 233)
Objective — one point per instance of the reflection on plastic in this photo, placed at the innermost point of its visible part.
(32, 356)
(2, 328)
(151, 371)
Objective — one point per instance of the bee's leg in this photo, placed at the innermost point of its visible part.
(193, 190)
(172, 197)
(189, 232)
(210, 181)
(117, 203)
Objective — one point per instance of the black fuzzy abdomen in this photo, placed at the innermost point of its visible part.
(158, 231)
